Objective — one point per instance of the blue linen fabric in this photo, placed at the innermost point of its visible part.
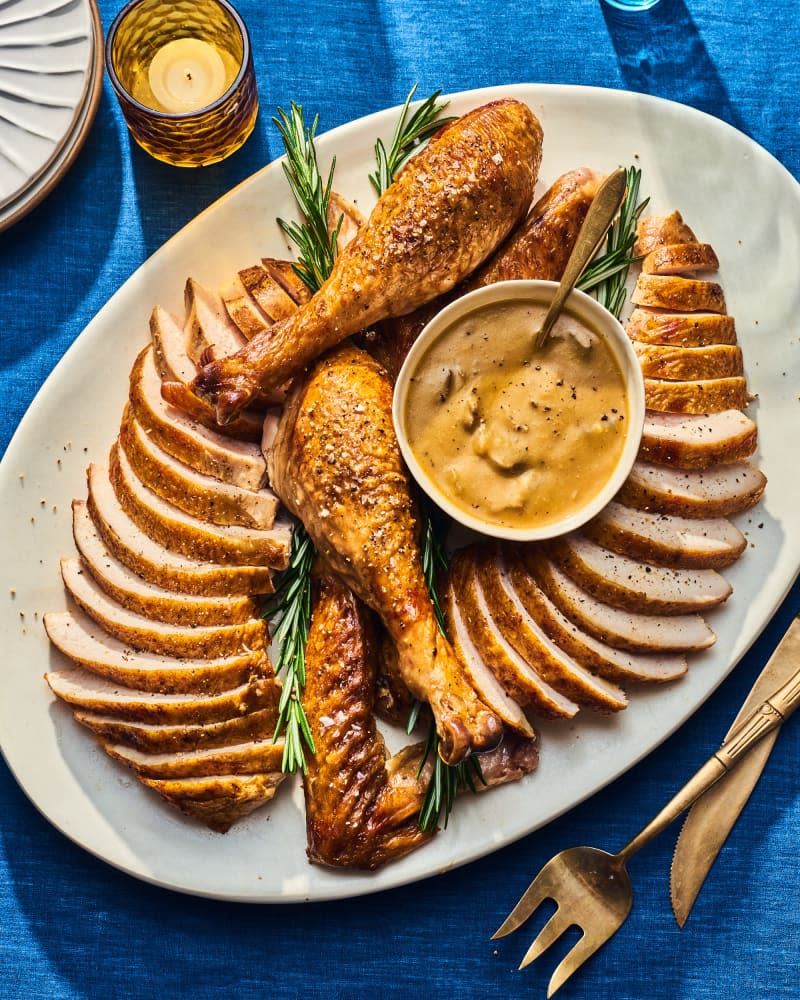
(72, 927)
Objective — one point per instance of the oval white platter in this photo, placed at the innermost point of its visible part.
(689, 161)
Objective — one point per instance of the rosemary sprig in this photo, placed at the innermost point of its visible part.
(409, 134)
(315, 241)
(445, 783)
(607, 274)
(291, 606)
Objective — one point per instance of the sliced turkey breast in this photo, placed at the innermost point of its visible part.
(697, 329)
(667, 539)
(252, 757)
(680, 258)
(157, 564)
(170, 355)
(523, 632)
(659, 230)
(637, 586)
(681, 294)
(283, 271)
(184, 641)
(208, 327)
(346, 216)
(153, 738)
(202, 496)
(519, 679)
(243, 310)
(608, 661)
(489, 689)
(625, 629)
(683, 363)
(697, 396)
(217, 801)
(208, 451)
(131, 591)
(96, 694)
(697, 441)
(716, 492)
(175, 529)
(270, 296)
(78, 637)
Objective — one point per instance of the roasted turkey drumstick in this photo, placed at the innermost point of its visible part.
(362, 805)
(336, 465)
(447, 211)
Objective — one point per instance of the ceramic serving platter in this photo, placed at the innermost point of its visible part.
(689, 161)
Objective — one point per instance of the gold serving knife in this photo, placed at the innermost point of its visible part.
(713, 816)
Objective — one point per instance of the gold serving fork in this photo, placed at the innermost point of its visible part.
(592, 889)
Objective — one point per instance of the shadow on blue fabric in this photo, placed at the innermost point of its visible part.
(658, 47)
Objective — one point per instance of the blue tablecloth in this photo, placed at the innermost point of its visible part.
(74, 928)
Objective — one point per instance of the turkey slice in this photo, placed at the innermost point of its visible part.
(625, 629)
(608, 661)
(252, 757)
(169, 347)
(175, 529)
(130, 590)
(659, 230)
(697, 329)
(183, 641)
(697, 440)
(681, 294)
(696, 396)
(283, 271)
(270, 296)
(202, 496)
(185, 438)
(208, 327)
(243, 310)
(666, 538)
(77, 636)
(97, 694)
(153, 738)
(637, 586)
(217, 801)
(716, 492)
(685, 363)
(519, 679)
(523, 632)
(157, 564)
(681, 258)
(489, 689)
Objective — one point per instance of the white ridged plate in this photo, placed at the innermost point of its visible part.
(48, 55)
(689, 161)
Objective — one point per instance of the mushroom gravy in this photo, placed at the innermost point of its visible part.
(513, 438)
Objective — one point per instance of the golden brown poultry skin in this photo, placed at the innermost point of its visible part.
(362, 805)
(539, 248)
(336, 465)
(446, 212)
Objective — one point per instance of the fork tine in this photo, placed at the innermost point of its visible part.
(535, 894)
(572, 961)
(552, 930)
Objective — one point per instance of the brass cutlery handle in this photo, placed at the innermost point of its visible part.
(768, 716)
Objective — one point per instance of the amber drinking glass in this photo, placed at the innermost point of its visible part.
(183, 74)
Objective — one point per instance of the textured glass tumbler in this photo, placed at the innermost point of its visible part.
(632, 5)
(196, 137)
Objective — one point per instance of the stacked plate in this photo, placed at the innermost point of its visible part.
(51, 75)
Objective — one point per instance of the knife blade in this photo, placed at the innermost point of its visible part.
(711, 819)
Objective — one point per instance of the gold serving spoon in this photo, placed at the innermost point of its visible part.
(604, 207)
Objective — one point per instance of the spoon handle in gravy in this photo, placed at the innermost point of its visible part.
(604, 207)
